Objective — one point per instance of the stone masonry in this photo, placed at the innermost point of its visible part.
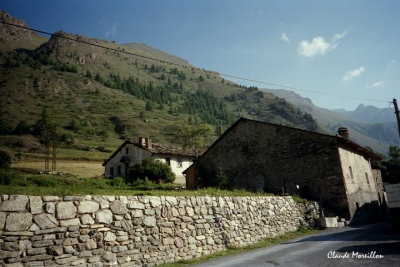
(134, 230)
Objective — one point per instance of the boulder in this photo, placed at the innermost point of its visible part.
(35, 204)
(66, 210)
(88, 207)
(15, 203)
(17, 222)
(46, 221)
(117, 207)
(104, 216)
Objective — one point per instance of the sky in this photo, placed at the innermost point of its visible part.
(342, 47)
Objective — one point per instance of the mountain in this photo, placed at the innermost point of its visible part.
(369, 114)
(98, 96)
(12, 37)
(377, 135)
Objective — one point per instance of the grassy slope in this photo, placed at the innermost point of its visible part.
(71, 95)
(26, 91)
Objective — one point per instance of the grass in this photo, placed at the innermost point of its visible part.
(302, 231)
(79, 168)
(30, 182)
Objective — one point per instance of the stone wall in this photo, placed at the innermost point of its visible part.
(134, 230)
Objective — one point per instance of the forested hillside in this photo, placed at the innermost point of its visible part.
(97, 96)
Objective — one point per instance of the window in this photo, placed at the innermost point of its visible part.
(366, 177)
(351, 172)
(168, 161)
(119, 170)
(126, 150)
(112, 171)
(179, 162)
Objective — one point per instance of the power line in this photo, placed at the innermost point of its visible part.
(185, 66)
(301, 89)
(97, 45)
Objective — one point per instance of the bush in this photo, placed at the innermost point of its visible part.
(22, 128)
(154, 170)
(67, 138)
(5, 160)
(5, 128)
(5, 177)
(221, 179)
(103, 149)
(117, 182)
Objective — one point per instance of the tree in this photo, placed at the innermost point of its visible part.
(89, 74)
(392, 172)
(149, 106)
(153, 169)
(22, 128)
(5, 128)
(5, 160)
(193, 136)
(41, 124)
(119, 126)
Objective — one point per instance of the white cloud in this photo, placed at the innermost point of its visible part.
(318, 45)
(338, 36)
(378, 84)
(285, 38)
(113, 29)
(353, 73)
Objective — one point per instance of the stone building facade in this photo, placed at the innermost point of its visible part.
(130, 153)
(260, 156)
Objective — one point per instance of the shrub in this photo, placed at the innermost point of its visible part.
(67, 138)
(5, 128)
(154, 170)
(5, 160)
(5, 177)
(117, 182)
(22, 128)
(103, 149)
(221, 179)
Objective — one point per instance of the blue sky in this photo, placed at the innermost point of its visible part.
(342, 47)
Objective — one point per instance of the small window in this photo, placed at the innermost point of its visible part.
(366, 177)
(179, 163)
(126, 150)
(112, 171)
(119, 170)
(351, 172)
(168, 161)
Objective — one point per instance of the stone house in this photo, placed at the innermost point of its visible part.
(130, 153)
(260, 156)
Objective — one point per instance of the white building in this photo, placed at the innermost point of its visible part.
(130, 153)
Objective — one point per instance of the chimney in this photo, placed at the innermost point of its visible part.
(142, 142)
(343, 132)
(148, 142)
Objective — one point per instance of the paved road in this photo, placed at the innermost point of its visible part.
(377, 242)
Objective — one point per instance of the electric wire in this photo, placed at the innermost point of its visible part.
(186, 66)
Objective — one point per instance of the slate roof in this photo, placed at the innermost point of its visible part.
(157, 149)
(340, 139)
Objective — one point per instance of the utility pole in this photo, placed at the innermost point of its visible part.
(396, 111)
(46, 159)
(53, 163)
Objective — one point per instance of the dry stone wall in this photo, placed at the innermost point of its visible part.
(134, 230)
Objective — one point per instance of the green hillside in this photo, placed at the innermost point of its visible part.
(98, 96)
